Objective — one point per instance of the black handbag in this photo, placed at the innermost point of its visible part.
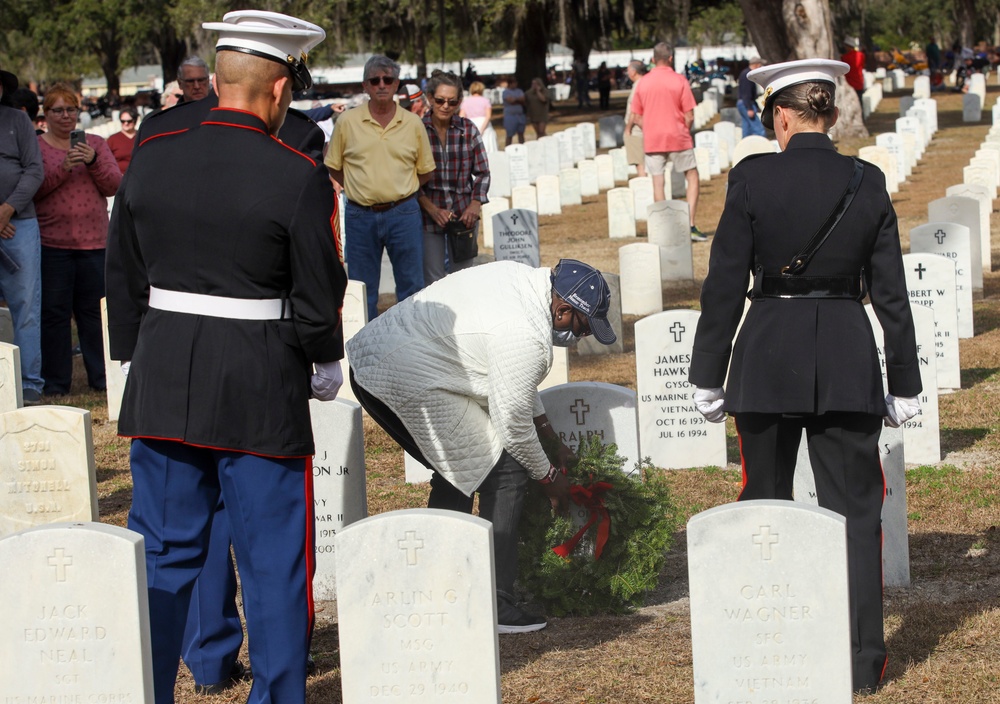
(463, 242)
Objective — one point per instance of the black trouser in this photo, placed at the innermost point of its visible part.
(501, 495)
(843, 449)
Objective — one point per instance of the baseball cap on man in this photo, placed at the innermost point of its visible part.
(408, 94)
(273, 36)
(583, 287)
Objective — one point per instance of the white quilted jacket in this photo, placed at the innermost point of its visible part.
(460, 362)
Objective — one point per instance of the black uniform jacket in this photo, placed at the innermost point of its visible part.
(804, 355)
(224, 209)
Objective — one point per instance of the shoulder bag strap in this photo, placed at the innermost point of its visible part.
(801, 260)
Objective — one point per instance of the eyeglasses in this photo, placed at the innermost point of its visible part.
(189, 81)
(59, 112)
(384, 80)
(127, 122)
(451, 102)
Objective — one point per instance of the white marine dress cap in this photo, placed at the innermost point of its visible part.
(270, 35)
(776, 77)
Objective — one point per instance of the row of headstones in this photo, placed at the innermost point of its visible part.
(522, 164)
(417, 588)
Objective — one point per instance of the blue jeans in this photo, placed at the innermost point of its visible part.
(72, 287)
(23, 293)
(751, 125)
(400, 231)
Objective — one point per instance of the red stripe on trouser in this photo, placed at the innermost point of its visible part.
(743, 462)
(310, 547)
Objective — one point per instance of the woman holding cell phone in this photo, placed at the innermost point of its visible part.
(80, 175)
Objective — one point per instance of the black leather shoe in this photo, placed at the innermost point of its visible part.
(239, 673)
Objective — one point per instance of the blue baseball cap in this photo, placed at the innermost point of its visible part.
(583, 287)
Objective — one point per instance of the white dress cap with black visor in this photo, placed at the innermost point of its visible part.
(776, 77)
(583, 287)
(273, 36)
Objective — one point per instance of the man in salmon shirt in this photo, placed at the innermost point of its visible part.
(663, 106)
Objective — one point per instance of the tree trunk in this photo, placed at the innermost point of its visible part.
(108, 53)
(965, 19)
(531, 41)
(172, 51)
(789, 30)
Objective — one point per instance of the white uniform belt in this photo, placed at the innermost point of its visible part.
(215, 306)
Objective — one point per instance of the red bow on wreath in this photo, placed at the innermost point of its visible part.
(591, 498)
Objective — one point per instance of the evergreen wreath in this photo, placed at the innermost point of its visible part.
(637, 519)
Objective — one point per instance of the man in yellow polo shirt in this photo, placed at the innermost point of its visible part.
(381, 156)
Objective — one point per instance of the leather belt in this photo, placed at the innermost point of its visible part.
(382, 207)
(218, 306)
(849, 287)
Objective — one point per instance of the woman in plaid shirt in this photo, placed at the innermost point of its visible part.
(458, 186)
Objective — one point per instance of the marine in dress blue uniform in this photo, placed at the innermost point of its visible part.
(214, 633)
(805, 356)
(224, 287)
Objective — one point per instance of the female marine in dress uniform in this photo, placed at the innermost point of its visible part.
(805, 357)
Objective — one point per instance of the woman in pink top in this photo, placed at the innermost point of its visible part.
(72, 211)
(478, 108)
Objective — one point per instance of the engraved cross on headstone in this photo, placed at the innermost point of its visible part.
(939, 236)
(920, 271)
(410, 543)
(765, 540)
(513, 218)
(581, 410)
(60, 561)
(678, 330)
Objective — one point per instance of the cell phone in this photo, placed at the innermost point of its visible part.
(77, 137)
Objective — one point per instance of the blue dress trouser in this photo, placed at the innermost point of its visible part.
(214, 634)
(176, 491)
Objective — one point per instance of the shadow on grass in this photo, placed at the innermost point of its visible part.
(976, 375)
(948, 588)
(986, 317)
(958, 439)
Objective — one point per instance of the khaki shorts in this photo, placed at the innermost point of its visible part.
(633, 148)
(683, 161)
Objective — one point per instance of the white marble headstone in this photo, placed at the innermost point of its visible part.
(550, 155)
(590, 184)
(930, 279)
(353, 317)
(642, 290)
(921, 434)
(548, 191)
(569, 187)
(10, 378)
(612, 132)
(46, 467)
(950, 240)
(621, 213)
(671, 430)
(517, 154)
(500, 180)
(536, 159)
(894, 144)
(921, 87)
(494, 206)
(515, 237)
(582, 410)
(576, 142)
(605, 171)
(588, 131)
(964, 211)
(564, 140)
(74, 624)
(880, 157)
(559, 371)
(980, 193)
(702, 159)
(669, 228)
(642, 196)
(770, 616)
(523, 198)
(619, 165)
(754, 144)
(416, 608)
(338, 470)
(709, 141)
(972, 107)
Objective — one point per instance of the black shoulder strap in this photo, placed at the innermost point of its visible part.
(801, 260)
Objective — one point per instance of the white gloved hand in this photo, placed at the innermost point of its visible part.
(125, 367)
(899, 410)
(327, 380)
(709, 403)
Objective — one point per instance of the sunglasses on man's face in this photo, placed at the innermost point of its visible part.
(384, 80)
(451, 102)
(127, 122)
